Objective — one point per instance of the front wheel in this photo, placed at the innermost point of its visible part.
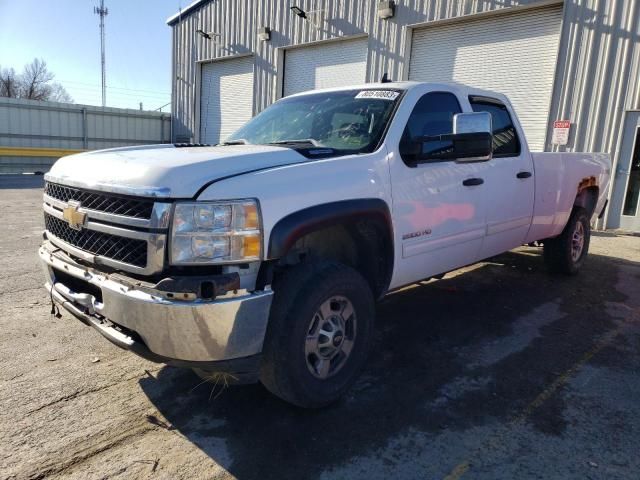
(566, 253)
(319, 333)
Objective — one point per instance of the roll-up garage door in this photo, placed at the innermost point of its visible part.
(226, 98)
(513, 53)
(326, 65)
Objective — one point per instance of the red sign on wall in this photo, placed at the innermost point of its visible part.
(561, 132)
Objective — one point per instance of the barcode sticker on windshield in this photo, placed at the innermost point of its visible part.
(381, 94)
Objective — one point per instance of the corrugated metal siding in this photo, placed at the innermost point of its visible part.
(598, 72)
(29, 123)
(332, 64)
(237, 22)
(514, 54)
(596, 75)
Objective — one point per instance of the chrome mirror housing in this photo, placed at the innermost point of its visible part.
(472, 123)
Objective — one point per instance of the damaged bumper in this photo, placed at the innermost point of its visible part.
(225, 334)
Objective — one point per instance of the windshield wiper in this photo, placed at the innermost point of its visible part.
(240, 141)
(298, 141)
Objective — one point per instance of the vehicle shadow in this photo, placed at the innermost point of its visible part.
(449, 355)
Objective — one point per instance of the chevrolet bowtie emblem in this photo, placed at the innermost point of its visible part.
(73, 216)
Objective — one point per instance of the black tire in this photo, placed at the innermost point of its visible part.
(559, 252)
(299, 294)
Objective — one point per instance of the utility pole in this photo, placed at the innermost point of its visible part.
(103, 12)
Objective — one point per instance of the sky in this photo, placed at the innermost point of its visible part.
(66, 34)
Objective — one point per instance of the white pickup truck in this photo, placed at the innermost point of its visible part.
(261, 258)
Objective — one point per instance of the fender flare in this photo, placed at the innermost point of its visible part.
(294, 226)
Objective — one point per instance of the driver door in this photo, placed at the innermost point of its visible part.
(439, 207)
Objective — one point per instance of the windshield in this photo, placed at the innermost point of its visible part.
(348, 121)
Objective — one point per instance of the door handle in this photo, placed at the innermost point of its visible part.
(524, 174)
(472, 182)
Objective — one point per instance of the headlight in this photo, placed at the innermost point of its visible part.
(220, 232)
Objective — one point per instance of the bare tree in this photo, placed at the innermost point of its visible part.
(59, 94)
(35, 83)
(9, 83)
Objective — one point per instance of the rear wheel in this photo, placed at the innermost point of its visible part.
(566, 253)
(319, 333)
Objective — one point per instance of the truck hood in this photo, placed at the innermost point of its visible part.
(165, 170)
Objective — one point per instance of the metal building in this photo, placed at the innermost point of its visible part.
(575, 60)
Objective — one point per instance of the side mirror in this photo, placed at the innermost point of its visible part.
(476, 130)
(471, 141)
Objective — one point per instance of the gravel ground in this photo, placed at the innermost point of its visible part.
(497, 371)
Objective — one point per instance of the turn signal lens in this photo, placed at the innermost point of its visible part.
(251, 220)
(251, 246)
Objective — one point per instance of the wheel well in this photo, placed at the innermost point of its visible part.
(364, 245)
(587, 198)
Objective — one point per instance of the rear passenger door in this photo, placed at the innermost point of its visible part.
(509, 182)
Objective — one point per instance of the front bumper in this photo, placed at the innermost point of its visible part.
(215, 335)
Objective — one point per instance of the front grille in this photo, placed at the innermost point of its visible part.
(102, 202)
(127, 250)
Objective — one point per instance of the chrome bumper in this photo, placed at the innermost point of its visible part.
(177, 332)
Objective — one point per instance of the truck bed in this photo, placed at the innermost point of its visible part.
(555, 189)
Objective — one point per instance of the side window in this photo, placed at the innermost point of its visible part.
(432, 115)
(505, 138)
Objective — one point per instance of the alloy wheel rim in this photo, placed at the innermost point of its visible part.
(577, 242)
(330, 337)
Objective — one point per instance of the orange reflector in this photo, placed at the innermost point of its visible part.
(251, 246)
